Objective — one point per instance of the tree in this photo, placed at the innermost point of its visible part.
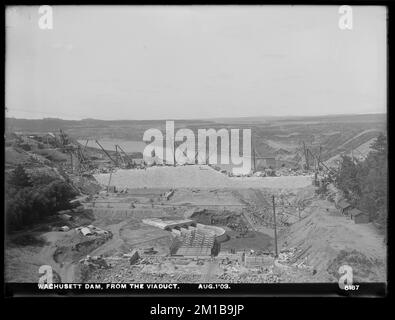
(365, 183)
(19, 178)
(379, 146)
(347, 178)
(32, 204)
(374, 181)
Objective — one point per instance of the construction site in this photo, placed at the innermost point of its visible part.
(140, 221)
(196, 144)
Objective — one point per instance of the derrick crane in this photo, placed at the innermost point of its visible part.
(107, 154)
(129, 160)
(332, 172)
(63, 138)
(66, 147)
(83, 161)
(118, 156)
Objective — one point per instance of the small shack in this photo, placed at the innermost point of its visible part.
(359, 216)
(111, 189)
(86, 231)
(343, 206)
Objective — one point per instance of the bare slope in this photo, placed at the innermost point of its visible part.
(329, 240)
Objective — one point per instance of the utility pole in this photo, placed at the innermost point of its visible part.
(109, 181)
(275, 227)
(319, 157)
(71, 160)
(306, 156)
(174, 151)
(253, 154)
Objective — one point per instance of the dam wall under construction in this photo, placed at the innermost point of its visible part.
(190, 238)
(126, 213)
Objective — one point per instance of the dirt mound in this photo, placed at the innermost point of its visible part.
(363, 267)
(325, 242)
(21, 263)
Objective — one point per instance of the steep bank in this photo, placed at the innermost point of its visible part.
(326, 240)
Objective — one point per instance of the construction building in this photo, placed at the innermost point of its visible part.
(358, 216)
(343, 206)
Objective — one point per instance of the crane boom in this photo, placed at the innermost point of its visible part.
(332, 171)
(126, 155)
(108, 155)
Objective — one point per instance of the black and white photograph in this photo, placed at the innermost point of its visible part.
(195, 149)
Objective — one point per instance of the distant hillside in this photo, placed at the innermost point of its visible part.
(54, 124)
(282, 137)
(375, 117)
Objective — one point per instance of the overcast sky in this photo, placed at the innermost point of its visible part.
(146, 62)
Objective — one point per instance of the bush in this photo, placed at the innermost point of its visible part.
(26, 146)
(19, 178)
(44, 179)
(322, 189)
(31, 204)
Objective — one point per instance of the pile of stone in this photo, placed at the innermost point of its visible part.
(286, 255)
(95, 262)
(290, 257)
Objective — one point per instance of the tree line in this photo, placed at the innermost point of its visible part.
(364, 182)
(28, 202)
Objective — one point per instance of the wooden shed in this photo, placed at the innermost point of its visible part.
(343, 206)
(359, 216)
